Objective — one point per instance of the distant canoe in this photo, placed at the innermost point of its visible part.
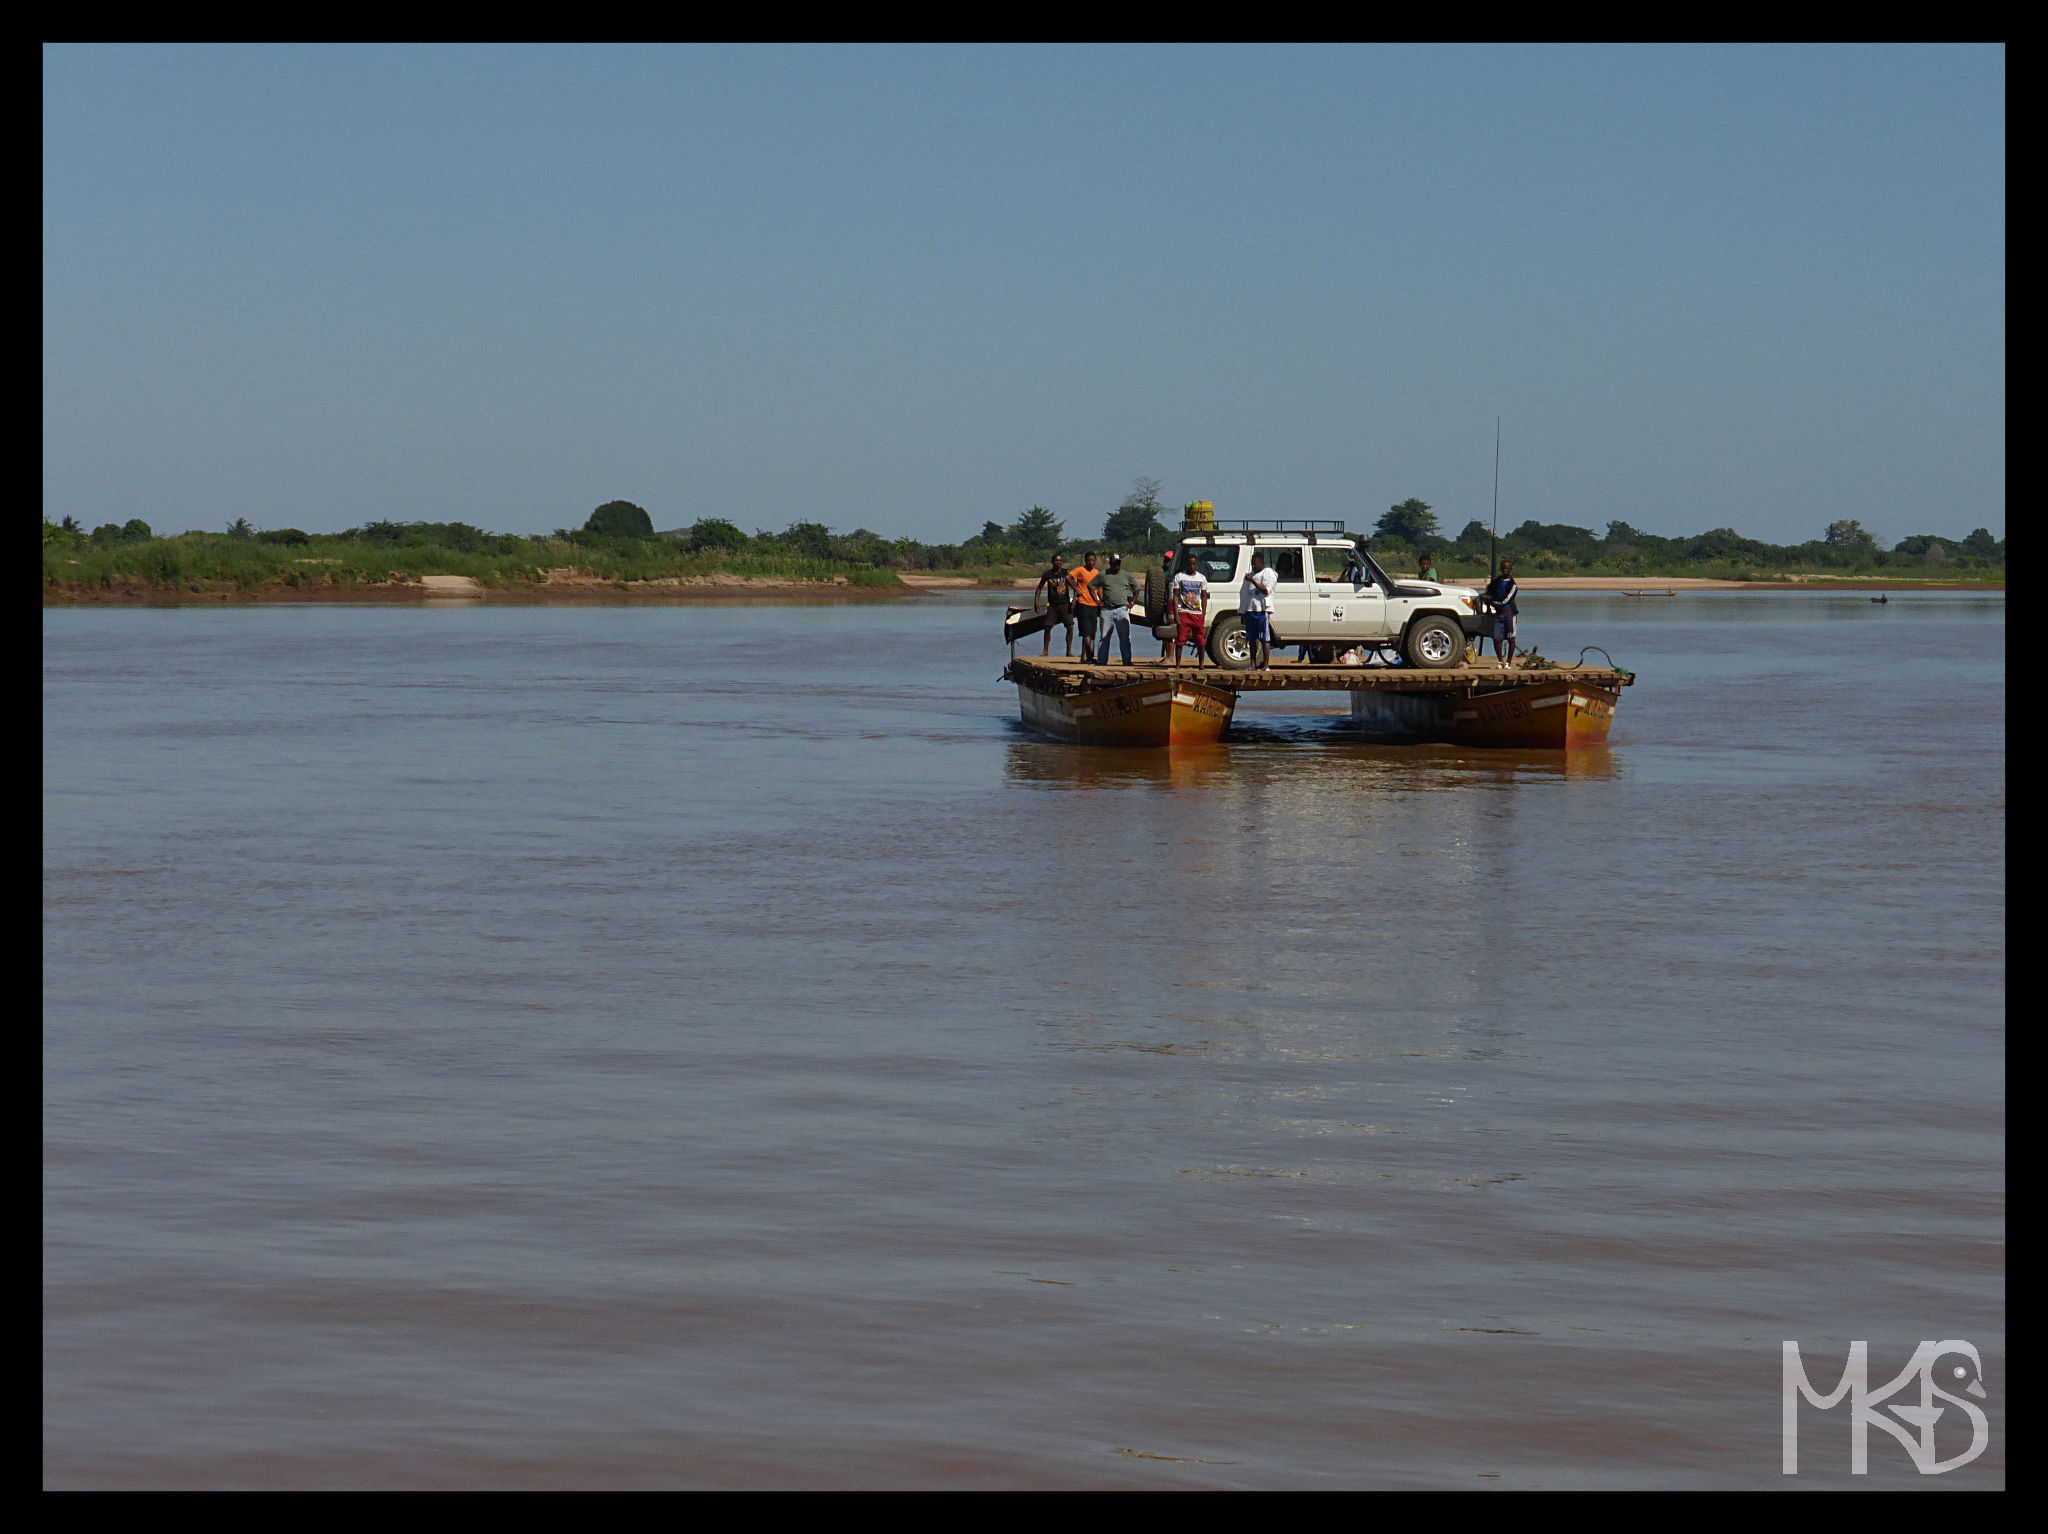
(1021, 623)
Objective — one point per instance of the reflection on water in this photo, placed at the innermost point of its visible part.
(687, 1045)
(1035, 759)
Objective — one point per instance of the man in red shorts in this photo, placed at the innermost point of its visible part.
(1190, 609)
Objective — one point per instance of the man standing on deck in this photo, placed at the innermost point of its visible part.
(1500, 596)
(1059, 603)
(1166, 646)
(1087, 603)
(1254, 601)
(1190, 610)
(1117, 589)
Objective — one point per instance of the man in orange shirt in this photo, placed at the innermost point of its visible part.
(1087, 583)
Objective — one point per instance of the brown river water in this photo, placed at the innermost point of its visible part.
(717, 1046)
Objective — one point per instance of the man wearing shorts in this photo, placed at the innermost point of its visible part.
(1059, 602)
(1254, 602)
(1500, 595)
(1190, 610)
(1087, 603)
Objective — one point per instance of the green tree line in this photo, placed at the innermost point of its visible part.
(618, 540)
(1409, 530)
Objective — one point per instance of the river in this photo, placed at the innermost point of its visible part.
(715, 1045)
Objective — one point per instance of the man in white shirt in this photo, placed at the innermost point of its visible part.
(1190, 610)
(1255, 602)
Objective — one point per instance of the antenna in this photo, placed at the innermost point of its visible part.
(1494, 556)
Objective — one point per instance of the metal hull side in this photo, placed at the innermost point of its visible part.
(1149, 714)
(1549, 716)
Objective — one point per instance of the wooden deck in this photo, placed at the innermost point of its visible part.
(1067, 677)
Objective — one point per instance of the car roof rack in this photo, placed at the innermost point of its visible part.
(1277, 525)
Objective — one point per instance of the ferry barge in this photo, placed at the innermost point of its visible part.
(1324, 594)
(1157, 703)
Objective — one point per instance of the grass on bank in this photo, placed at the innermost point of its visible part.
(385, 553)
(196, 560)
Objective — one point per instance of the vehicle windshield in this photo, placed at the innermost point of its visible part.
(1358, 569)
(1373, 574)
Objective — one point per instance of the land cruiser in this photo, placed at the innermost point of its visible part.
(1330, 595)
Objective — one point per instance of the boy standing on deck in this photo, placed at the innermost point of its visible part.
(1500, 595)
(1190, 610)
(1087, 603)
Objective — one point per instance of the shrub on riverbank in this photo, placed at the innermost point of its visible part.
(381, 552)
(195, 559)
(1719, 554)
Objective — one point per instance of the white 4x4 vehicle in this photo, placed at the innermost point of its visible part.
(1329, 594)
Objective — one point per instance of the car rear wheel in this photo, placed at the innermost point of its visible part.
(1435, 644)
(1229, 646)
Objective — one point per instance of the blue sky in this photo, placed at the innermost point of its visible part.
(914, 289)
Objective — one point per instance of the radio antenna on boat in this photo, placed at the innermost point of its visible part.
(1494, 556)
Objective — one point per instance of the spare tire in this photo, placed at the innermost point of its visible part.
(1155, 594)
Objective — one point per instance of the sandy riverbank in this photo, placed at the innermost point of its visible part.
(132, 590)
(926, 582)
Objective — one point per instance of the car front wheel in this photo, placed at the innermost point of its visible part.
(1435, 644)
(1229, 646)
